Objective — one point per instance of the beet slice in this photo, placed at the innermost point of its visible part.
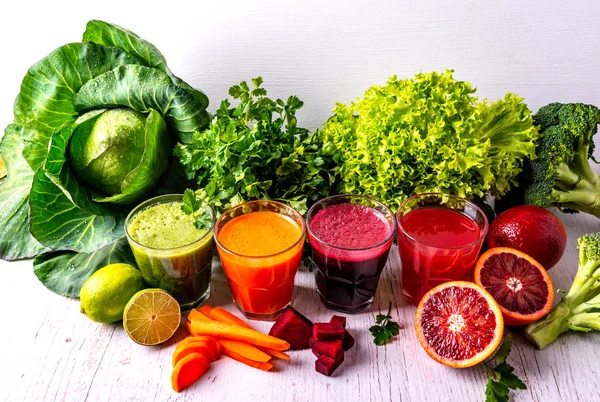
(338, 320)
(328, 348)
(326, 365)
(348, 341)
(328, 332)
(294, 328)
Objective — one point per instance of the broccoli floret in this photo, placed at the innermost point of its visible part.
(561, 175)
(579, 309)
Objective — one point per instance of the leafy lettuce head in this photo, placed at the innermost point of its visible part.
(427, 134)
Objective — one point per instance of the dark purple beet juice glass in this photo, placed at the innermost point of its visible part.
(351, 236)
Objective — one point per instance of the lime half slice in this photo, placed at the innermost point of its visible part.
(151, 317)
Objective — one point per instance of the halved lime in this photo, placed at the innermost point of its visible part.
(151, 317)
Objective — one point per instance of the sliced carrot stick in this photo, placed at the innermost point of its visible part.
(195, 315)
(188, 370)
(236, 333)
(245, 349)
(263, 366)
(202, 348)
(206, 309)
(200, 339)
(222, 315)
(248, 351)
(275, 353)
(212, 348)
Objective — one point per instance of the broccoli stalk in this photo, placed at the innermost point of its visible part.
(561, 175)
(579, 309)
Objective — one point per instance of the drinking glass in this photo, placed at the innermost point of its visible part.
(347, 278)
(184, 271)
(261, 286)
(426, 265)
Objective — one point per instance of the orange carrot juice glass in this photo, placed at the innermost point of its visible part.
(260, 245)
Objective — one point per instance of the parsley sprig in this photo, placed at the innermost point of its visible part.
(385, 329)
(256, 150)
(192, 205)
(502, 378)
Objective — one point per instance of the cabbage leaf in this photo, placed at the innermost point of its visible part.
(15, 240)
(64, 272)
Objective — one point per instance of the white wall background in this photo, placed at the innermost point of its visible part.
(331, 51)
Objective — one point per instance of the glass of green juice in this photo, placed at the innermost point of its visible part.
(172, 253)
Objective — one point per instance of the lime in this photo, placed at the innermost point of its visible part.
(105, 294)
(151, 317)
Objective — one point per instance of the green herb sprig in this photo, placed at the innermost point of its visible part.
(192, 205)
(502, 378)
(385, 329)
(256, 150)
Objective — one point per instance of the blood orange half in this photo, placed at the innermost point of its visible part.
(459, 324)
(519, 284)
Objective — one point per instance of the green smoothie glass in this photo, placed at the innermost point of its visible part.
(170, 251)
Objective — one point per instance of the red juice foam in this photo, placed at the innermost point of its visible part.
(350, 245)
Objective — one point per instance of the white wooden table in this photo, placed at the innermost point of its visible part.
(50, 351)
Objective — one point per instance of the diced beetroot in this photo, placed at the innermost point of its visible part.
(338, 320)
(293, 327)
(348, 341)
(328, 348)
(311, 342)
(326, 365)
(327, 332)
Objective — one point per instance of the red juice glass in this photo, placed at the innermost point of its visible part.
(439, 240)
(351, 236)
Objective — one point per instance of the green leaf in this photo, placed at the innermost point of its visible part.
(496, 392)
(154, 162)
(507, 376)
(15, 240)
(385, 329)
(143, 89)
(191, 203)
(103, 33)
(62, 213)
(45, 102)
(502, 377)
(504, 349)
(64, 272)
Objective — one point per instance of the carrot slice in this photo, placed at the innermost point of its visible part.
(196, 315)
(259, 365)
(206, 309)
(188, 370)
(202, 348)
(196, 339)
(275, 353)
(222, 315)
(243, 349)
(236, 333)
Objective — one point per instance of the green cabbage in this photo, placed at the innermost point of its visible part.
(95, 124)
(428, 134)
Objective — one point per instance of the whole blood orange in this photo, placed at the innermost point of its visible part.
(459, 324)
(533, 230)
(519, 284)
